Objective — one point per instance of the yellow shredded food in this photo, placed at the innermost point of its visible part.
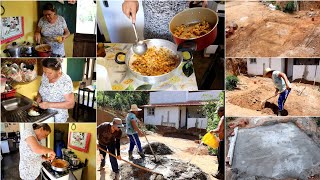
(192, 30)
(155, 62)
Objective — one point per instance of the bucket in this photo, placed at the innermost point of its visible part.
(210, 140)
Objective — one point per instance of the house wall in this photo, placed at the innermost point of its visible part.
(161, 114)
(290, 68)
(203, 95)
(202, 122)
(299, 70)
(168, 97)
(262, 63)
(183, 116)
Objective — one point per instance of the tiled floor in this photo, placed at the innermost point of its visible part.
(10, 166)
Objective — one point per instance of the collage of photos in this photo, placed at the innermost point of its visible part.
(160, 90)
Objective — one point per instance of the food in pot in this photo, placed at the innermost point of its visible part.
(155, 62)
(43, 48)
(58, 164)
(33, 113)
(192, 30)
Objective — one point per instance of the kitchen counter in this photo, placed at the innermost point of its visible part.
(121, 79)
(21, 114)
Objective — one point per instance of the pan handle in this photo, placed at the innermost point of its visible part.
(188, 45)
(116, 58)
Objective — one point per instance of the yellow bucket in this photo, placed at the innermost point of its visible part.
(210, 140)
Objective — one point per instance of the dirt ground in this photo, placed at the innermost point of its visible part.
(183, 149)
(251, 91)
(263, 32)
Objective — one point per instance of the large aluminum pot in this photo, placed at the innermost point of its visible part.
(74, 161)
(157, 43)
(13, 50)
(59, 165)
(191, 16)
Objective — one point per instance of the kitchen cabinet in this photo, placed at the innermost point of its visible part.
(5, 146)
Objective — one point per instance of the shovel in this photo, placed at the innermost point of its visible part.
(155, 158)
(264, 102)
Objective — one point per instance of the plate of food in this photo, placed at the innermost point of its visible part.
(35, 111)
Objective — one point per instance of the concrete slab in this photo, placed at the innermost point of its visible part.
(277, 151)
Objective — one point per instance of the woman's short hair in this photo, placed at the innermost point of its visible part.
(44, 126)
(52, 63)
(49, 6)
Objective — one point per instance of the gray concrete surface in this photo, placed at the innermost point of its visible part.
(277, 151)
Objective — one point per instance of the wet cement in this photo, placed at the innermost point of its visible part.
(172, 169)
(158, 149)
(277, 151)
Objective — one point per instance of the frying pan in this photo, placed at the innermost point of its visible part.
(59, 165)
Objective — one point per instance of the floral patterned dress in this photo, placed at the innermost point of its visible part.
(51, 31)
(30, 162)
(54, 92)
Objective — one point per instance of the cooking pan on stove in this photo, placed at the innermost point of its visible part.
(59, 165)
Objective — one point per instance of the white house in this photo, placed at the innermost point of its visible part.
(307, 69)
(179, 109)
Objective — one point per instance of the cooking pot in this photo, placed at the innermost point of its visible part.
(150, 43)
(59, 165)
(74, 161)
(27, 48)
(13, 50)
(192, 16)
(43, 50)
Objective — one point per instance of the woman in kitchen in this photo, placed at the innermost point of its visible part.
(53, 29)
(56, 89)
(32, 153)
(157, 15)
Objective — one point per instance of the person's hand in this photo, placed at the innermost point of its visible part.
(37, 37)
(119, 157)
(39, 99)
(44, 105)
(140, 133)
(52, 155)
(288, 87)
(130, 8)
(204, 2)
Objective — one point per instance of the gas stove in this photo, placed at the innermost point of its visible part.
(49, 174)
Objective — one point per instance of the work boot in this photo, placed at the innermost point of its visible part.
(280, 113)
(117, 176)
(130, 155)
(141, 154)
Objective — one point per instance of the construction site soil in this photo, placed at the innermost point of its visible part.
(263, 32)
(247, 98)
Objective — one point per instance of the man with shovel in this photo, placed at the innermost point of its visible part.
(109, 135)
(220, 131)
(282, 85)
(133, 131)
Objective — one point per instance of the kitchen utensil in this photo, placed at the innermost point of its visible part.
(59, 165)
(192, 16)
(150, 43)
(140, 47)
(13, 50)
(43, 50)
(74, 161)
(27, 48)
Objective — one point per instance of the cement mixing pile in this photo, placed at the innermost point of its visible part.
(279, 151)
(158, 148)
(172, 169)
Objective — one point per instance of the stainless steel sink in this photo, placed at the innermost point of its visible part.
(16, 103)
